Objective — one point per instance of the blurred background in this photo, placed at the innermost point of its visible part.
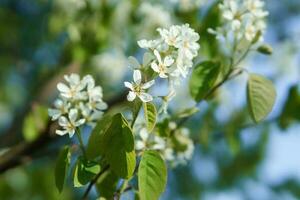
(234, 159)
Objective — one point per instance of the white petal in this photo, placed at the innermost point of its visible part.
(128, 85)
(163, 75)
(148, 84)
(155, 67)
(137, 76)
(54, 113)
(168, 61)
(63, 87)
(71, 133)
(144, 134)
(61, 132)
(145, 97)
(139, 145)
(101, 106)
(63, 121)
(131, 96)
(73, 115)
(79, 122)
(157, 55)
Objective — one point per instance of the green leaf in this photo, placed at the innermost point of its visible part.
(61, 168)
(152, 176)
(203, 79)
(85, 171)
(95, 147)
(261, 96)
(35, 122)
(187, 112)
(118, 144)
(150, 115)
(265, 49)
(107, 184)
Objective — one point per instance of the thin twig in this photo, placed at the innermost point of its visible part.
(93, 182)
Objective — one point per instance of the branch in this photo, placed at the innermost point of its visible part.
(93, 182)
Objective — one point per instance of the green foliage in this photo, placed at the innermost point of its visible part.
(85, 171)
(265, 49)
(261, 96)
(107, 184)
(203, 79)
(187, 112)
(290, 112)
(150, 115)
(35, 122)
(118, 146)
(62, 167)
(94, 147)
(152, 176)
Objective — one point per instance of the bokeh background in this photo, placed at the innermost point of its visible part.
(234, 159)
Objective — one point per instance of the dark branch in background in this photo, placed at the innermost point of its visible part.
(22, 153)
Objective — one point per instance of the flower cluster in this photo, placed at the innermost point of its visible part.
(173, 53)
(80, 102)
(242, 20)
(174, 50)
(176, 149)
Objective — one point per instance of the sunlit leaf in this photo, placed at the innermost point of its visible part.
(261, 97)
(150, 115)
(152, 176)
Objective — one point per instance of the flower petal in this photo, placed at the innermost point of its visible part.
(148, 84)
(137, 76)
(131, 96)
(73, 115)
(145, 97)
(155, 67)
(128, 85)
(63, 87)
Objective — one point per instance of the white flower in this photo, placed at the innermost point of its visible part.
(162, 67)
(170, 36)
(138, 88)
(256, 8)
(250, 32)
(80, 102)
(74, 90)
(69, 124)
(149, 141)
(61, 108)
(148, 44)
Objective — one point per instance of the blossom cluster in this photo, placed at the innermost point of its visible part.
(79, 102)
(173, 54)
(242, 20)
(176, 149)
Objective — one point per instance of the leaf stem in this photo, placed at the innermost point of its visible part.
(78, 134)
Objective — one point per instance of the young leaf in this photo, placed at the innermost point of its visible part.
(85, 171)
(95, 147)
(150, 115)
(261, 96)
(118, 143)
(152, 176)
(107, 184)
(61, 168)
(203, 79)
